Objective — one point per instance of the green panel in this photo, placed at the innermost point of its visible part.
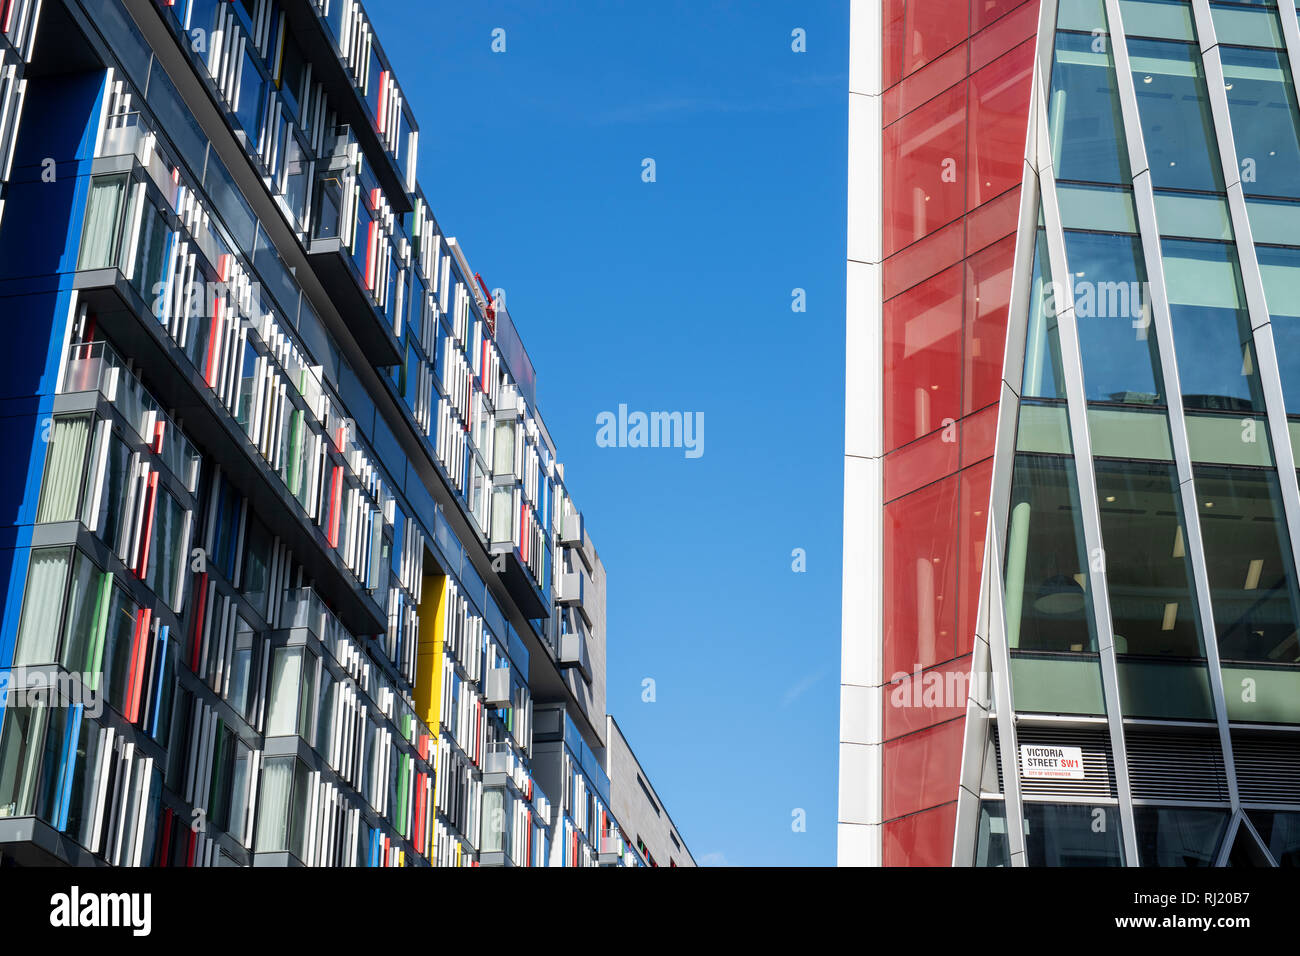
(1170, 19)
(1086, 15)
(1043, 428)
(1057, 685)
(1193, 217)
(1229, 440)
(1274, 221)
(1241, 27)
(1165, 689)
(1262, 694)
(1098, 208)
(1122, 433)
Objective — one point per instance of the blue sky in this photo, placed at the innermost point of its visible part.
(676, 296)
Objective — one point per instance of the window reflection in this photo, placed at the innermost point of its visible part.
(1175, 115)
(1248, 560)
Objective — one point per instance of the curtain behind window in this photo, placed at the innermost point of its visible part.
(63, 470)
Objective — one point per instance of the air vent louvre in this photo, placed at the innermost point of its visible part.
(1268, 769)
(1175, 766)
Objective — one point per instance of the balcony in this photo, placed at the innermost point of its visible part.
(334, 218)
(496, 688)
(573, 592)
(573, 653)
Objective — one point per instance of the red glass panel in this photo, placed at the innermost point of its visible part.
(976, 484)
(922, 700)
(918, 262)
(978, 434)
(920, 577)
(921, 462)
(923, 839)
(925, 166)
(992, 221)
(999, 109)
(893, 23)
(988, 296)
(984, 12)
(926, 83)
(922, 331)
(922, 770)
(930, 30)
(1019, 25)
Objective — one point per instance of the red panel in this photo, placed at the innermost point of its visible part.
(978, 434)
(918, 262)
(1016, 27)
(931, 29)
(975, 487)
(925, 162)
(925, 84)
(999, 108)
(922, 330)
(920, 577)
(988, 295)
(923, 461)
(922, 700)
(922, 770)
(984, 12)
(995, 219)
(923, 839)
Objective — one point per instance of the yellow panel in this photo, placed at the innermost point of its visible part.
(432, 614)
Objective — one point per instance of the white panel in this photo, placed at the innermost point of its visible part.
(864, 358)
(859, 845)
(865, 244)
(860, 714)
(865, 47)
(860, 650)
(860, 783)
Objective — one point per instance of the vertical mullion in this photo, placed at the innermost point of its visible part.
(1144, 200)
(1072, 367)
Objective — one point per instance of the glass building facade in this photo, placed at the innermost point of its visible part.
(289, 574)
(1072, 516)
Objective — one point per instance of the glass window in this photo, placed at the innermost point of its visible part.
(257, 566)
(1047, 570)
(286, 677)
(87, 596)
(1158, 18)
(244, 660)
(992, 847)
(1254, 25)
(119, 644)
(65, 466)
(102, 234)
(1169, 836)
(1280, 833)
(251, 98)
(1249, 564)
(111, 517)
(29, 782)
(38, 631)
(1174, 108)
(1043, 375)
(1148, 572)
(1072, 835)
(1280, 269)
(1121, 362)
(1212, 334)
(151, 256)
(168, 555)
(1084, 118)
(1265, 120)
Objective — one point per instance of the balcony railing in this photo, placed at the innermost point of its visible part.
(94, 366)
